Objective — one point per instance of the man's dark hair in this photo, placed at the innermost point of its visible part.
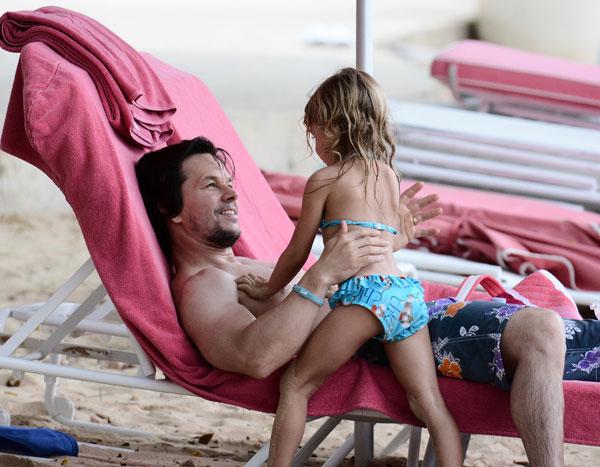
(160, 177)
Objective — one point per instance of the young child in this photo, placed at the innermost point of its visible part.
(347, 116)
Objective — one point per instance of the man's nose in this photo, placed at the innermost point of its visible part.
(229, 193)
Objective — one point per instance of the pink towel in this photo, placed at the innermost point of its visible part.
(134, 100)
(519, 233)
(95, 169)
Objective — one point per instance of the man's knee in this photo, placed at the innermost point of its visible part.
(533, 332)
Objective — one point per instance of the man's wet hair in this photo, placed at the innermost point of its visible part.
(160, 178)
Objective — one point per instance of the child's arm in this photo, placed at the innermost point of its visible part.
(297, 251)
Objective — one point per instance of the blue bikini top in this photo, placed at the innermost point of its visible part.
(370, 225)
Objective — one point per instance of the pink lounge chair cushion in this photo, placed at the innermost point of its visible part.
(486, 226)
(55, 120)
(493, 69)
(522, 232)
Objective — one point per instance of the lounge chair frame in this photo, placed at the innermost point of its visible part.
(47, 357)
(497, 153)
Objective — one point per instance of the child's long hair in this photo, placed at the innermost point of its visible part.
(351, 110)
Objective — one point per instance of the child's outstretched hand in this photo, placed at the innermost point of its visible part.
(254, 286)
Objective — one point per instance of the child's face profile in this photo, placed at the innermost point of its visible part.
(322, 145)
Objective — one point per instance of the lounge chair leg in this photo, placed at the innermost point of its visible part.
(429, 459)
(363, 443)
(260, 457)
(338, 456)
(62, 409)
(465, 438)
(395, 443)
(414, 446)
(17, 375)
(304, 453)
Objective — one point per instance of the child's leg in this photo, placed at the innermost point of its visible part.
(333, 343)
(412, 362)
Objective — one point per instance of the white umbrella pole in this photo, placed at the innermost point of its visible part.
(364, 35)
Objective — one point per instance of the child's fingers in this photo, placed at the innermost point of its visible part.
(247, 289)
(244, 281)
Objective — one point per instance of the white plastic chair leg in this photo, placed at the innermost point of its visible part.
(465, 438)
(363, 443)
(396, 442)
(317, 438)
(62, 409)
(429, 459)
(260, 457)
(338, 456)
(414, 446)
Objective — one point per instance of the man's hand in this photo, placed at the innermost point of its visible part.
(348, 252)
(254, 286)
(411, 213)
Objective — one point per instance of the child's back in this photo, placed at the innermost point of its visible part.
(355, 197)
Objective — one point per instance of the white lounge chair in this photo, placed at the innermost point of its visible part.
(493, 78)
(492, 152)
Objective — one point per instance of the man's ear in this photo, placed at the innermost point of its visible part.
(176, 219)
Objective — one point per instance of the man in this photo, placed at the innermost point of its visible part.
(189, 195)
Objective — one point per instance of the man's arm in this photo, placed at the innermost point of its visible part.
(232, 339)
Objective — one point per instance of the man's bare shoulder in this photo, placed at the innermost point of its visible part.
(206, 285)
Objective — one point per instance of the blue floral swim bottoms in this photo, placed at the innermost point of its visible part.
(396, 301)
(465, 339)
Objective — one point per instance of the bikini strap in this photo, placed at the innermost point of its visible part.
(371, 225)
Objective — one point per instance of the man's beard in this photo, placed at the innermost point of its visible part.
(223, 238)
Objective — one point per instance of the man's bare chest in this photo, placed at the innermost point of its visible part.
(257, 307)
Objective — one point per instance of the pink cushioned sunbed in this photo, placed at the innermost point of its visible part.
(502, 76)
(519, 233)
(55, 120)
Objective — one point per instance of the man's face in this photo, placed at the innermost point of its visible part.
(209, 210)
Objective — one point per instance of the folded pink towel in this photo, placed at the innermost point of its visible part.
(134, 100)
(94, 167)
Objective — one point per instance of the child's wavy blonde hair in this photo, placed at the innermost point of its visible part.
(351, 110)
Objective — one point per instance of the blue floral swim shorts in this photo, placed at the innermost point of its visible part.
(397, 302)
(465, 339)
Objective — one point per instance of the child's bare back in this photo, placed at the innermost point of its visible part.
(350, 197)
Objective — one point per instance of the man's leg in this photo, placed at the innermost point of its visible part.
(533, 350)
